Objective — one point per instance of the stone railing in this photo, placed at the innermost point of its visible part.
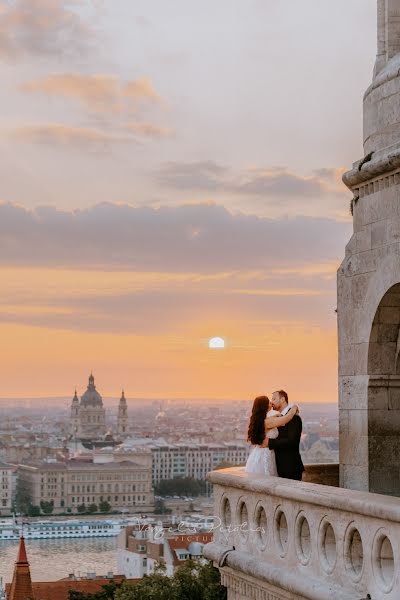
(277, 539)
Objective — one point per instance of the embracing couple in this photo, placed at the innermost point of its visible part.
(275, 432)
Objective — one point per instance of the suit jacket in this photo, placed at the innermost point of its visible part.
(287, 452)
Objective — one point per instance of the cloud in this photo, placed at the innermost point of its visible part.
(195, 238)
(280, 182)
(101, 95)
(206, 175)
(270, 182)
(149, 130)
(43, 28)
(56, 133)
(155, 303)
(98, 92)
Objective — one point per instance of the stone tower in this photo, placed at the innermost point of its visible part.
(74, 421)
(369, 284)
(122, 423)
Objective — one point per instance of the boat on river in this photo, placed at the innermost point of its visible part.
(11, 529)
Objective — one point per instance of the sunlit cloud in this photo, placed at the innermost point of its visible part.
(99, 92)
(274, 182)
(58, 134)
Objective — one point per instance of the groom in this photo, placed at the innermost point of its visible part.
(286, 445)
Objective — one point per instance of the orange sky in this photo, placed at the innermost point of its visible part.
(261, 354)
(167, 176)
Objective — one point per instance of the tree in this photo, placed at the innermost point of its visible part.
(180, 486)
(104, 506)
(192, 581)
(81, 508)
(47, 507)
(152, 587)
(160, 507)
(33, 511)
(107, 593)
(92, 508)
(23, 499)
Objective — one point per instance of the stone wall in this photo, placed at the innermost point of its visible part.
(323, 474)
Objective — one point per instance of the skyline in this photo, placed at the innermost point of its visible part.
(170, 175)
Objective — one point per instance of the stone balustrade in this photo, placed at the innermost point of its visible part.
(278, 539)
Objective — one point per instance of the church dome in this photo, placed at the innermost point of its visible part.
(91, 397)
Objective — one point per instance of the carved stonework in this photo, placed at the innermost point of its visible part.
(368, 284)
(243, 587)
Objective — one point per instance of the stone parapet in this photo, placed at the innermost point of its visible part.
(285, 540)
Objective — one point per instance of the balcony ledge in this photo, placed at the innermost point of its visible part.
(288, 540)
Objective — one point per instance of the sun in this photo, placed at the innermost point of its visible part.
(216, 342)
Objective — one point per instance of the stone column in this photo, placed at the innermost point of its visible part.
(381, 54)
(392, 28)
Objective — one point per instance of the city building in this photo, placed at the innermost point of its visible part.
(141, 548)
(124, 485)
(187, 460)
(22, 587)
(7, 488)
(310, 541)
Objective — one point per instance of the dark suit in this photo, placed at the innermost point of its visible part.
(287, 452)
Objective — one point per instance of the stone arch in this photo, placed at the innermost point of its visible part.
(384, 395)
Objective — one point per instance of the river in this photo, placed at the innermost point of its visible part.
(54, 559)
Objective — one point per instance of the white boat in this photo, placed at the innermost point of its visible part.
(10, 529)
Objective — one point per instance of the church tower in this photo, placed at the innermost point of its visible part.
(74, 421)
(369, 283)
(21, 586)
(122, 423)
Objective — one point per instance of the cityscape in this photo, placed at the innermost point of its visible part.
(200, 300)
(87, 470)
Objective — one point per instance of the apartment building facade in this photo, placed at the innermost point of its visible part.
(7, 488)
(124, 485)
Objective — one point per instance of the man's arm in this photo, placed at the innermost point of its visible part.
(293, 438)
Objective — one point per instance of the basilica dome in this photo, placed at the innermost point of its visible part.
(91, 397)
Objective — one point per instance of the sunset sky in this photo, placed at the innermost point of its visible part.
(170, 172)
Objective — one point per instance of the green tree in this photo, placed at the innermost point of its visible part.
(23, 499)
(192, 581)
(107, 593)
(152, 587)
(33, 511)
(180, 486)
(47, 507)
(81, 508)
(104, 506)
(92, 508)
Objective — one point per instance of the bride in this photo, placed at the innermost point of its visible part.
(264, 423)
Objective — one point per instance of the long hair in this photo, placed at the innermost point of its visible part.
(256, 430)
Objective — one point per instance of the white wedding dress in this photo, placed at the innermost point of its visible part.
(261, 461)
